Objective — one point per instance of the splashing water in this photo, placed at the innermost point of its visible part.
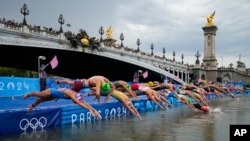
(216, 110)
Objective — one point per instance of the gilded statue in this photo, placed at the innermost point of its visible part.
(210, 18)
(109, 33)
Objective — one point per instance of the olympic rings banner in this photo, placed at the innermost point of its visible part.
(22, 121)
(17, 86)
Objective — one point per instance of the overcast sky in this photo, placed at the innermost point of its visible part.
(173, 24)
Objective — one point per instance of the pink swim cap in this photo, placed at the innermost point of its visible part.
(204, 108)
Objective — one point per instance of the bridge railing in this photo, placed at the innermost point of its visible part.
(145, 58)
(48, 40)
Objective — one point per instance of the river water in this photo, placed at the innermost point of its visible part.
(175, 124)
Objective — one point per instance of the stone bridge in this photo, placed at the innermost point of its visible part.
(25, 37)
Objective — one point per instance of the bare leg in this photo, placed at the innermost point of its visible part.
(37, 102)
(30, 94)
(33, 105)
(44, 94)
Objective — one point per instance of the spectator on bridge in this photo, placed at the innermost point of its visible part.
(60, 93)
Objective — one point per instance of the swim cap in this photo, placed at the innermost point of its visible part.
(128, 87)
(77, 86)
(150, 84)
(189, 100)
(135, 86)
(204, 108)
(105, 87)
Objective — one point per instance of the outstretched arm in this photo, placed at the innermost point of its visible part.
(44, 67)
(93, 112)
(190, 105)
(98, 92)
(132, 93)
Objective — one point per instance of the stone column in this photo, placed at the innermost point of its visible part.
(209, 60)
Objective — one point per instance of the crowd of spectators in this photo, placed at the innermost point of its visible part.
(12, 24)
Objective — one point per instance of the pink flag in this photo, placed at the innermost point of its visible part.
(54, 62)
(145, 74)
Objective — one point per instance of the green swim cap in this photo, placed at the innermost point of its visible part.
(105, 87)
(128, 87)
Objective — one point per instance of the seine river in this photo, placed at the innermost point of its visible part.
(175, 124)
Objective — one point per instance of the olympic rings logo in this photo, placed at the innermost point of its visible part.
(34, 123)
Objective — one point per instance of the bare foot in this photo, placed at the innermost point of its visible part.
(30, 107)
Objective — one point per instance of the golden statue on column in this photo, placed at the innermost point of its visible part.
(210, 21)
(109, 33)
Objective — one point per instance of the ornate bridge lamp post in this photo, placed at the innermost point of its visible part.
(231, 65)
(197, 55)
(61, 22)
(164, 51)
(182, 57)
(39, 64)
(174, 56)
(101, 32)
(138, 42)
(121, 38)
(152, 49)
(25, 11)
